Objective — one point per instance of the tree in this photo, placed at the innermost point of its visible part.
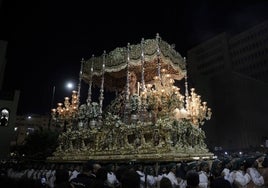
(39, 145)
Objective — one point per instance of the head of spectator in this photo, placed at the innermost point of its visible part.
(239, 164)
(92, 166)
(96, 167)
(192, 166)
(172, 167)
(182, 170)
(62, 177)
(216, 167)
(250, 162)
(226, 163)
(110, 168)
(204, 166)
(139, 167)
(87, 168)
(259, 160)
(122, 169)
(162, 170)
(130, 179)
(101, 174)
(149, 170)
(101, 178)
(192, 179)
(165, 183)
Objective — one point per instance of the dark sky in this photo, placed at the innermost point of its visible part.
(48, 38)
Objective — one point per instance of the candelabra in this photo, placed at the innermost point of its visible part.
(67, 111)
(196, 110)
(163, 99)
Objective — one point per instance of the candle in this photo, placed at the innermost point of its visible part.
(138, 91)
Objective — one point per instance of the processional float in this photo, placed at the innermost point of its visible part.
(160, 122)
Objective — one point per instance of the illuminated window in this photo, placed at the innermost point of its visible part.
(4, 117)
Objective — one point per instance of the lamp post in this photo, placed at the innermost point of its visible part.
(51, 106)
(53, 96)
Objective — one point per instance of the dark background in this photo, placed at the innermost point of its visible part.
(48, 39)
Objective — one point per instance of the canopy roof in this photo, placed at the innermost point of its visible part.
(156, 51)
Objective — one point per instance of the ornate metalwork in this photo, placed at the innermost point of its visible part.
(116, 63)
(157, 124)
(166, 140)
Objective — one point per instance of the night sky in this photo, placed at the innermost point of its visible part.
(47, 39)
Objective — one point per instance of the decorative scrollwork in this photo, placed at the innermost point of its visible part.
(156, 122)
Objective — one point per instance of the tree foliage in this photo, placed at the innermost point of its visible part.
(39, 145)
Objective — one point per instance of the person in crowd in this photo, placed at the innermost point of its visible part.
(203, 174)
(120, 171)
(101, 179)
(165, 183)
(130, 179)
(150, 177)
(162, 171)
(111, 177)
(253, 171)
(193, 166)
(241, 178)
(172, 175)
(218, 180)
(139, 169)
(96, 167)
(182, 170)
(192, 179)
(88, 175)
(264, 170)
(36, 172)
(215, 169)
(227, 165)
(74, 171)
(181, 173)
(50, 175)
(62, 178)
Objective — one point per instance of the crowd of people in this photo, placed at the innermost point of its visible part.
(228, 172)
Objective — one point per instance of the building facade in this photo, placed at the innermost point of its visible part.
(8, 110)
(26, 125)
(231, 73)
(8, 107)
(3, 48)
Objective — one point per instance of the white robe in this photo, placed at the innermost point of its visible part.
(228, 175)
(142, 178)
(255, 176)
(203, 179)
(151, 181)
(241, 179)
(111, 178)
(171, 176)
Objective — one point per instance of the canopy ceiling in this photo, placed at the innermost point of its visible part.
(156, 52)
